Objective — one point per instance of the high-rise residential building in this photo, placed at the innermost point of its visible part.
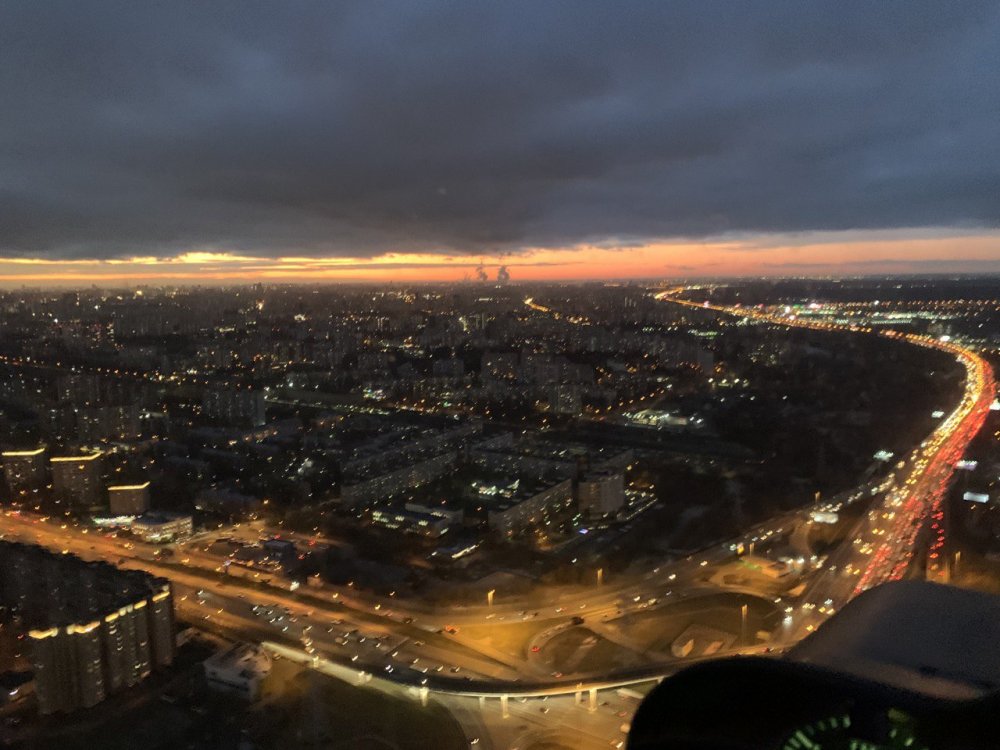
(128, 499)
(77, 479)
(109, 422)
(92, 629)
(24, 470)
(601, 493)
(564, 398)
(161, 626)
(236, 406)
(522, 506)
(80, 390)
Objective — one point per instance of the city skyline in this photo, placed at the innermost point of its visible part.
(499, 376)
(503, 512)
(817, 254)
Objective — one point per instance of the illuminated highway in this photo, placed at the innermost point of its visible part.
(884, 541)
(460, 658)
(404, 645)
(886, 538)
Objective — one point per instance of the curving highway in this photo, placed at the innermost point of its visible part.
(400, 641)
(884, 541)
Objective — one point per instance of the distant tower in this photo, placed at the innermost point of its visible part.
(24, 470)
(77, 479)
(128, 499)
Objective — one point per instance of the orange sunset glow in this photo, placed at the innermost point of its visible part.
(482, 375)
(882, 252)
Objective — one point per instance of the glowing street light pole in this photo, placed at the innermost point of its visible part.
(489, 597)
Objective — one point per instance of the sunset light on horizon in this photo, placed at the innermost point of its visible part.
(518, 375)
(847, 254)
(227, 144)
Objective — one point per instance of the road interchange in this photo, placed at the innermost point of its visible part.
(334, 624)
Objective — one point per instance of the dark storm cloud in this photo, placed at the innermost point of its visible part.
(352, 128)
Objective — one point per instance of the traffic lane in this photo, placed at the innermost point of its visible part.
(455, 654)
(360, 651)
(208, 579)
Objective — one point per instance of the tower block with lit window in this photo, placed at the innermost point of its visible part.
(77, 479)
(24, 471)
(128, 499)
(92, 629)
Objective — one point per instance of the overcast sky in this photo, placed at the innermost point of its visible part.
(352, 129)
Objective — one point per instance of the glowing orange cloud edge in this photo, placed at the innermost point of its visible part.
(882, 253)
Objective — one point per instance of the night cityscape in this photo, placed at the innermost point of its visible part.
(514, 376)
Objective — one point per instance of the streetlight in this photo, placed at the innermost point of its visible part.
(600, 576)
(489, 597)
(743, 623)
